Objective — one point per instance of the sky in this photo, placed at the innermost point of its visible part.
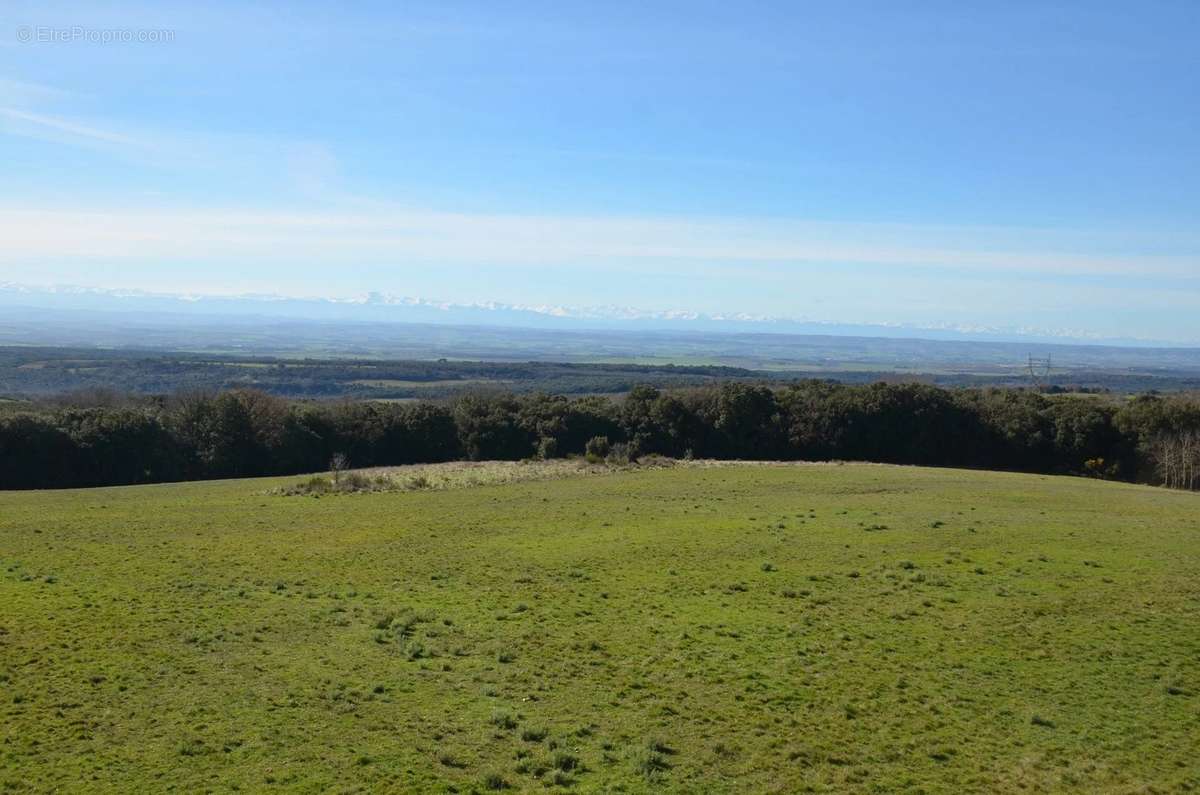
(1008, 165)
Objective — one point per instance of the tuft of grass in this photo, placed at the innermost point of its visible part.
(565, 761)
(534, 735)
(447, 759)
(658, 745)
(193, 747)
(503, 719)
(724, 750)
(650, 764)
(413, 650)
(495, 782)
(385, 621)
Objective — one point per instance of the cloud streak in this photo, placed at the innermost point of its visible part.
(37, 125)
(402, 236)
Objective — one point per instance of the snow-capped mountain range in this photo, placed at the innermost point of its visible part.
(383, 307)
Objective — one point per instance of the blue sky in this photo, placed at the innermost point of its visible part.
(1015, 164)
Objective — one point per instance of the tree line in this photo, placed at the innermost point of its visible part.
(243, 433)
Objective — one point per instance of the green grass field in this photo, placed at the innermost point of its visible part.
(727, 629)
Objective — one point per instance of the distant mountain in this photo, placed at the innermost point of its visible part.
(377, 307)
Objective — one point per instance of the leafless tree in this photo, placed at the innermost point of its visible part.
(337, 465)
(1178, 459)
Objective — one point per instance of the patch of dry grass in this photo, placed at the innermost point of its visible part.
(468, 474)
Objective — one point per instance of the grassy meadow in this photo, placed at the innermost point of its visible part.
(744, 628)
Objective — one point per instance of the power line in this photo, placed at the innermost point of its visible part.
(1038, 369)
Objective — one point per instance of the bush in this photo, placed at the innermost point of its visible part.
(317, 484)
(350, 483)
(597, 449)
(621, 454)
(354, 481)
(547, 448)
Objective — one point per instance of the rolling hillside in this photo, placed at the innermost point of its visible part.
(765, 628)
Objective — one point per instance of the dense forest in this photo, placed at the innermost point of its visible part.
(109, 440)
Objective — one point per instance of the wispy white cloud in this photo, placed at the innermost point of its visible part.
(302, 168)
(38, 125)
(22, 93)
(402, 236)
